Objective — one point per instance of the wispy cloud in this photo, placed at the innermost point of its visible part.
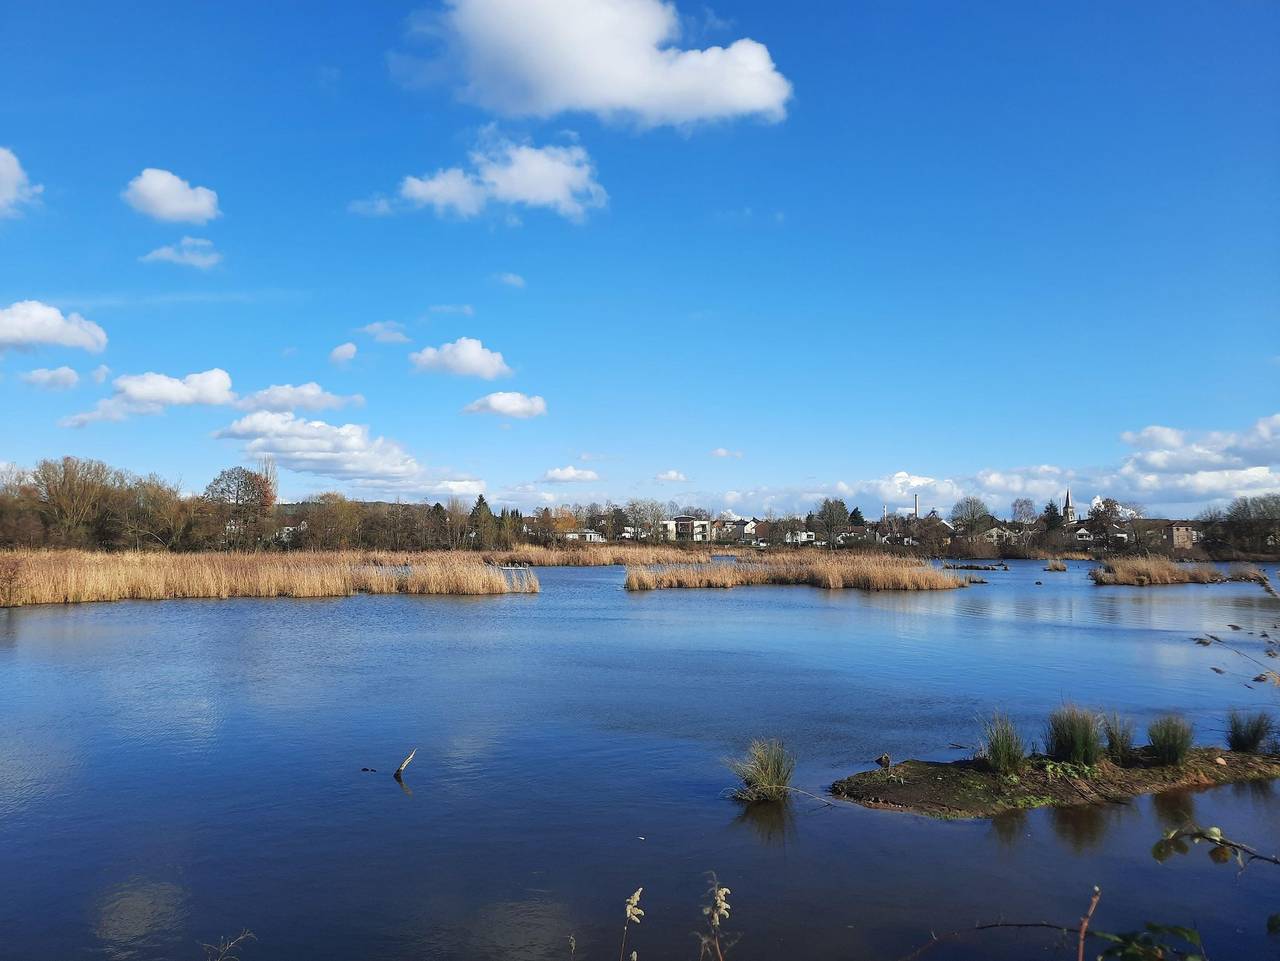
(59, 378)
(308, 396)
(500, 171)
(16, 189)
(189, 252)
(385, 332)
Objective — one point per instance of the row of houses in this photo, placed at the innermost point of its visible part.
(910, 531)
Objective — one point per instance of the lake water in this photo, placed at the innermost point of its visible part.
(173, 772)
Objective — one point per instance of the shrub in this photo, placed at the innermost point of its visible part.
(1056, 565)
(1247, 731)
(1170, 739)
(765, 771)
(1119, 732)
(1002, 745)
(1072, 735)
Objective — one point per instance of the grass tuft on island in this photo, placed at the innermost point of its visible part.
(972, 789)
(870, 572)
(71, 577)
(1156, 571)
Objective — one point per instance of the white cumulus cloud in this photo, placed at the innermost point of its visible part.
(508, 403)
(342, 353)
(511, 280)
(101, 373)
(166, 196)
(725, 452)
(151, 393)
(29, 323)
(344, 451)
(465, 356)
(559, 178)
(189, 251)
(16, 188)
(308, 396)
(668, 476)
(563, 475)
(1154, 437)
(59, 378)
(611, 58)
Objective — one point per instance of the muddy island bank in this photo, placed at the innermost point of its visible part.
(971, 789)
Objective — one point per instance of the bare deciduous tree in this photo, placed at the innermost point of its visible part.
(969, 513)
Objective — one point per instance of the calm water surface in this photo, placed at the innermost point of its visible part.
(174, 772)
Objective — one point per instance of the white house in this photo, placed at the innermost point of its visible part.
(585, 534)
(685, 528)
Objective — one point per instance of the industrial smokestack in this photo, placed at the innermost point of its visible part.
(917, 511)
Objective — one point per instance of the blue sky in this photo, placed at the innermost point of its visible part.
(872, 249)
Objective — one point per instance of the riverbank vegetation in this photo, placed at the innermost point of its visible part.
(1152, 571)
(871, 572)
(1075, 768)
(69, 577)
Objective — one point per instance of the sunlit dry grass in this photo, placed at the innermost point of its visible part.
(69, 577)
(870, 572)
(603, 555)
(1154, 571)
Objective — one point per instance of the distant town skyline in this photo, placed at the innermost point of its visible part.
(562, 251)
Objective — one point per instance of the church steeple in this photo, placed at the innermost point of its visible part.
(1068, 509)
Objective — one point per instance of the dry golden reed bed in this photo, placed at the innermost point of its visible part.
(868, 572)
(604, 555)
(69, 577)
(1154, 571)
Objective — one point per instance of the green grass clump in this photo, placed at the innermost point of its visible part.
(1119, 734)
(1170, 739)
(1072, 734)
(765, 772)
(1002, 746)
(1248, 730)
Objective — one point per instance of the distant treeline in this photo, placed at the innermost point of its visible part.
(74, 502)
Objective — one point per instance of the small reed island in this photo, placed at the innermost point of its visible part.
(1088, 759)
(868, 572)
(1149, 571)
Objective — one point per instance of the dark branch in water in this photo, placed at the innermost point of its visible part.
(1081, 930)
